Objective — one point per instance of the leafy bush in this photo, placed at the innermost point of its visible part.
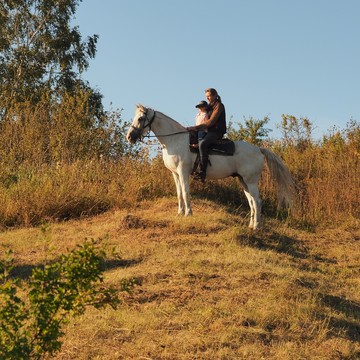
(31, 318)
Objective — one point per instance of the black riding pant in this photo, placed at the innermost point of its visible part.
(207, 141)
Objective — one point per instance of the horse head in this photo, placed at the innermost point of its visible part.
(141, 124)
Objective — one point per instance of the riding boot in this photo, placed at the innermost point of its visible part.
(201, 175)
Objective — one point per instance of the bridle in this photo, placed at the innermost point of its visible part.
(147, 124)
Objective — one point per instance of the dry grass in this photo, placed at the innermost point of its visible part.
(59, 160)
(211, 289)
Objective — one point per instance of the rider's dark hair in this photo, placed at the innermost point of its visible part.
(213, 92)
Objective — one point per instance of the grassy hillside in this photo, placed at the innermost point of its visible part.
(211, 288)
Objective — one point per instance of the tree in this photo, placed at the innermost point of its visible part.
(40, 50)
(296, 131)
(253, 131)
(42, 59)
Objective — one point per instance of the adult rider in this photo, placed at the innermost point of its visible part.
(215, 126)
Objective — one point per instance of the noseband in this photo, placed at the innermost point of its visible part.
(147, 124)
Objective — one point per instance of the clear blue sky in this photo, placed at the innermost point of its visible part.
(265, 57)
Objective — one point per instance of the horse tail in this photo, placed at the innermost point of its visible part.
(281, 174)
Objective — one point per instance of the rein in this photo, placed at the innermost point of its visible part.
(171, 134)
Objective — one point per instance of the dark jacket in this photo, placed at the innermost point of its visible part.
(217, 119)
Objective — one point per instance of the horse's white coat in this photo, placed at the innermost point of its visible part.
(247, 162)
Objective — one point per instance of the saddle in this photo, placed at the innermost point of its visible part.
(223, 146)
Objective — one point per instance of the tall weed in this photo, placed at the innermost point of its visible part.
(60, 161)
(326, 175)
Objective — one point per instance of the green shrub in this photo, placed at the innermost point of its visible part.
(31, 318)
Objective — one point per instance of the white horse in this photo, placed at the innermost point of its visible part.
(247, 162)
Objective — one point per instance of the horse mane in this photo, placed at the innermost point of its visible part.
(176, 123)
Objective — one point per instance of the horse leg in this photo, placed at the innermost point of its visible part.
(181, 210)
(252, 209)
(253, 196)
(251, 191)
(251, 201)
(184, 180)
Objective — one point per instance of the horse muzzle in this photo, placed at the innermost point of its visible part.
(132, 136)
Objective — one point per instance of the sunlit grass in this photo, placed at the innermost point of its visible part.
(211, 288)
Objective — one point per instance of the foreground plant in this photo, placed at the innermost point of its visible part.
(31, 324)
